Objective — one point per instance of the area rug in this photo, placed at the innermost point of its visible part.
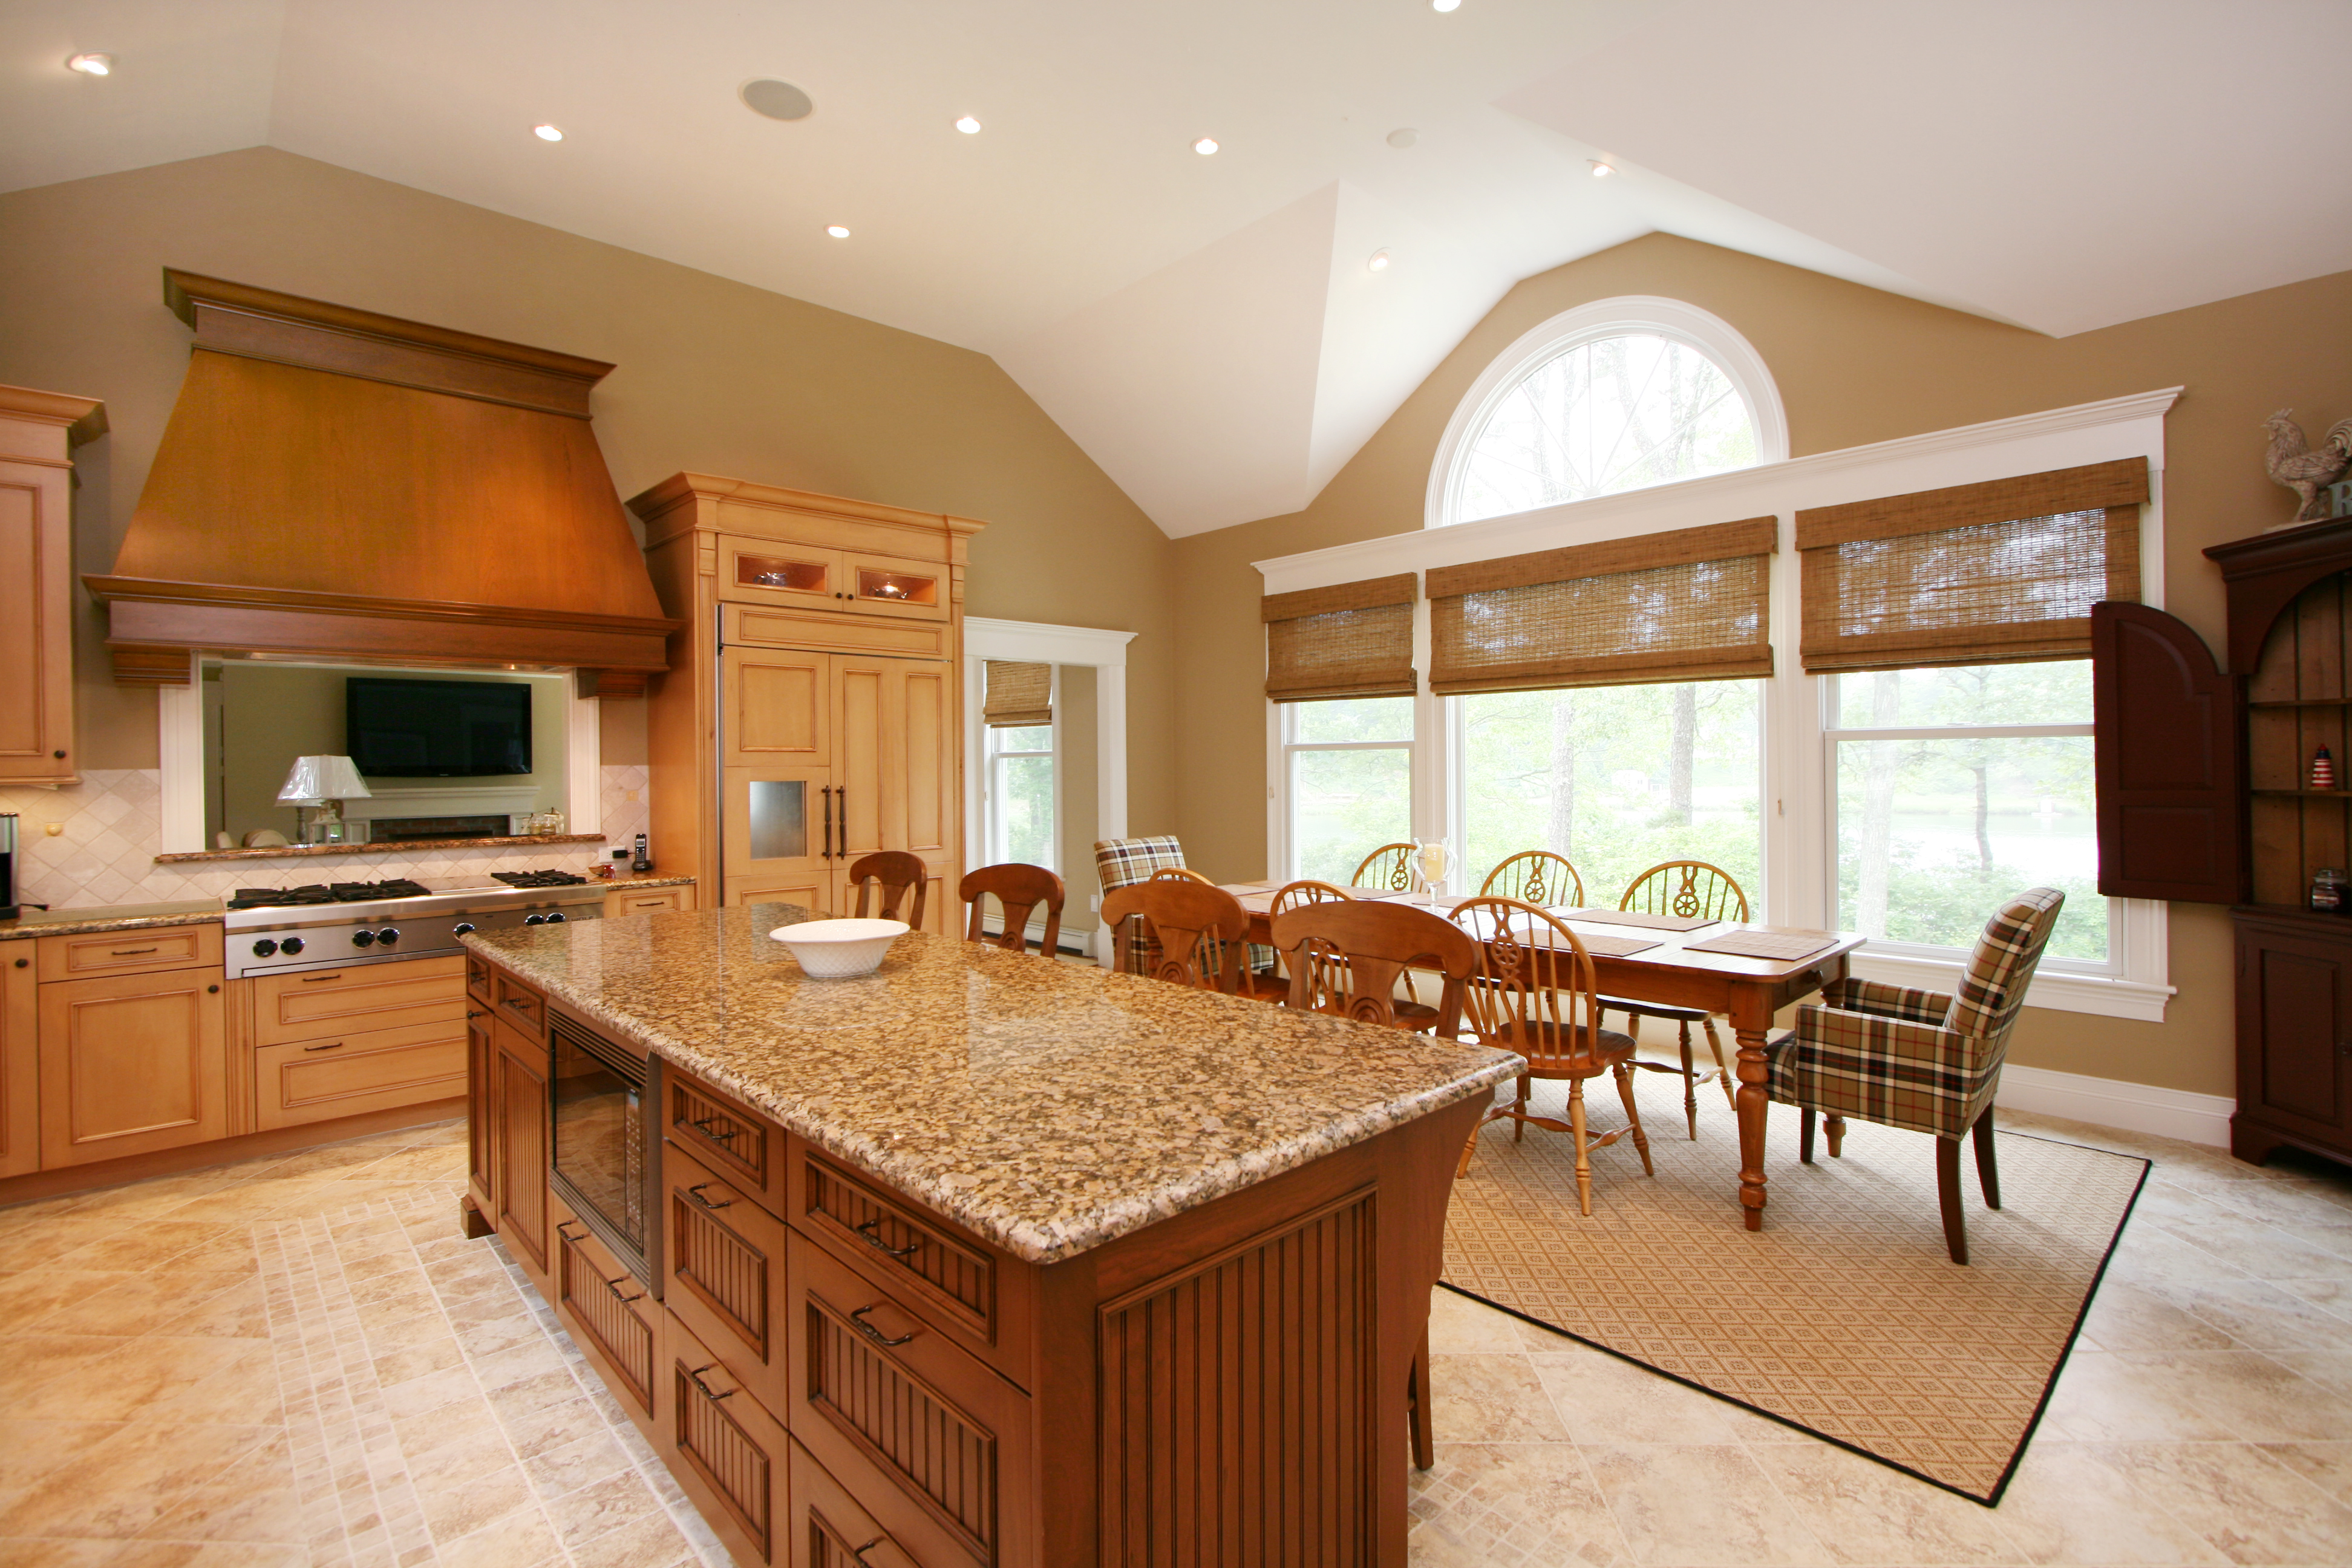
(1843, 1316)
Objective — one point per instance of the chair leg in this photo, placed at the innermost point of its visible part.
(1584, 1155)
(1988, 1168)
(1834, 1128)
(1805, 1136)
(1623, 1073)
(1519, 1128)
(1723, 1074)
(1417, 1406)
(1948, 1192)
(1469, 1149)
(1690, 1086)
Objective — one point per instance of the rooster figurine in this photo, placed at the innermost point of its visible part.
(2300, 468)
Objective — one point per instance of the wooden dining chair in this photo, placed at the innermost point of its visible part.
(1261, 977)
(1345, 958)
(1195, 932)
(894, 872)
(1019, 888)
(1536, 996)
(1389, 868)
(1535, 876)
(1275, 987)
(1694, 890)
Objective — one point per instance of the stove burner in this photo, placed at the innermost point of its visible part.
(539, 878)
(319, 893)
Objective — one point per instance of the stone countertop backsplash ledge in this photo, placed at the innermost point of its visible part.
(1049, 1107)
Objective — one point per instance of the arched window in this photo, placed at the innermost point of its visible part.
(1615, 396)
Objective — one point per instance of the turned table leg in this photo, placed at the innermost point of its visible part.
(1752, 1104)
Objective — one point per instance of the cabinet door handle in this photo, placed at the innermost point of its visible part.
(130, 951)
(827, 791)
(314, 979)
(615, 1287)
(336, 1047)
(704, 1389)
(695, 1191)
(872, 1231)
(841, 793)
(477, 1012)
(858, 1321)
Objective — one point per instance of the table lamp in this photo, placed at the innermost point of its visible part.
(316, 788)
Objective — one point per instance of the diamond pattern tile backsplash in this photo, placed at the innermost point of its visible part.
(112, 832)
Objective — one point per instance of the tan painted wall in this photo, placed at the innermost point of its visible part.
(1853, 366)
(713, 376)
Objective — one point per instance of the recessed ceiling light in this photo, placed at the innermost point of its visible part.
(547, 132)
(1205, 145)
(835, 230)
(1405, 137)
(92, 65)
(1380, 261)
(1445, 4)
(776, 100)
(1601, 170)
(968, 125)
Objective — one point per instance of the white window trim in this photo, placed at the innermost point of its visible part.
(1796, 840)
(1710, 334)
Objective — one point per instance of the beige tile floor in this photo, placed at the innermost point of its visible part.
(298, 1362)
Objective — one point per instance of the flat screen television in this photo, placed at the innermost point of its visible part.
(436, 729)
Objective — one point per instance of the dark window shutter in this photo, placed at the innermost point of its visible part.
(2170, 766)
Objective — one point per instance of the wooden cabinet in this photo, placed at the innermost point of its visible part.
(130, 1064)
(728, 1452)
(37, 430)
(723, 1273)
(481, 1109)
(377, 1069)
(812, 709)
(519, 1150)
(130, 951)
(362, 997)
(20, 1060)
(648, 901)
(2294, 1032)
(609, 1313)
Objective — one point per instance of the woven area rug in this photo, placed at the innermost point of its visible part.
(1843, 1316)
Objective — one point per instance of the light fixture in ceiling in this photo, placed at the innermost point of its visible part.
(1380, 261)
(1601, 170)
(547, 132)
(1205, 145)
(92, 65)
(835, 230)
(1444, 6)
(775, 100)
(968, 125)
(1404, 136)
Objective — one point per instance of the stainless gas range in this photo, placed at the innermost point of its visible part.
(345, 923)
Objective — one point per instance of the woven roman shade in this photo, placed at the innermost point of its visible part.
(1998, 572)
(1019, 695)
(1688, 605)
(1353, 639)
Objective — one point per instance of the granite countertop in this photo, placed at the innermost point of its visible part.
(1049, 1107)
(206, 912)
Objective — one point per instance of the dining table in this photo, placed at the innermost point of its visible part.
(1642, 957)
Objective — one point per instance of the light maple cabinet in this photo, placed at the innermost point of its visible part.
(646, 902)
(130, 1064)
(38, 431)
(811, 709)
(20, 1062)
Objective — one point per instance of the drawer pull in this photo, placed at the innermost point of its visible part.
(858, 1321)
(695, 1191)
(337, 1046)
(704, 1389)
(477, 1012)
(565, 1232)
(314, 979)
(520, 1003)
(871, 1231)
(859, 1552)
(702, 1125)
(615, 1287)
(129, 951)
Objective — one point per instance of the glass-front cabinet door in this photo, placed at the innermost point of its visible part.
(881, 585)
(781, 835)
(764, 572)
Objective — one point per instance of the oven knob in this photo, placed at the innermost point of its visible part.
(556, 918)
(461, 927)
(362, 939)
(264, 948)
(290, 946)
(534, 920)
(387, 936)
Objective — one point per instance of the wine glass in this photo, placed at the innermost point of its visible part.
(1429, 859)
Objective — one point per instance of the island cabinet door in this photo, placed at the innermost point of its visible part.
(609, 1312)
(830, 1530)
(481, 1106)
(20, 1062)
(729, 1454)
(130, 1064)
(723, 1272)
(932, 1443)
(520, 1152)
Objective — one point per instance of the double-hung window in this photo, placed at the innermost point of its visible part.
(1018, 786)
(1340, 671)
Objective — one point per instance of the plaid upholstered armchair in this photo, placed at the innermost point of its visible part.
(1124, 862)
(1919, 1059)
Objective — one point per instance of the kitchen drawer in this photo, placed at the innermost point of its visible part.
(833, 633)
(975, 1295)
(830, 1530)
(522, 1007)
(729, 1454)
(723, 1272)
(478, 972)
(129, 951)
(328, 1002)
(727, 1136)
(917, 1430)
(344, 1074)
(609, 1313)
(653, 902)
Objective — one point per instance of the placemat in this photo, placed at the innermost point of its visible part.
(1615, 946)
(1636, 918)
(1765, 944)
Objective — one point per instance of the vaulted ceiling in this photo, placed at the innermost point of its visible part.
(1208, 328)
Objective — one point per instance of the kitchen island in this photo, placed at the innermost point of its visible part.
(989, 1258)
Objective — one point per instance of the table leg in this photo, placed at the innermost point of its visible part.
(1752, 1104)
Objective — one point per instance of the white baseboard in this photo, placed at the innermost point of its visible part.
(2112, 1103)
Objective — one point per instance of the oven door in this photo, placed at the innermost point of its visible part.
(600, 1154)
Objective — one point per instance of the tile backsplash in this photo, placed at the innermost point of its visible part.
(110, 833)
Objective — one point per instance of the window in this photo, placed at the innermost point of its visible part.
(1953, 789)
(1347, 768)
(1018, 796)
(1615, 778)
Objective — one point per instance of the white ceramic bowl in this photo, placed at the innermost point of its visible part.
(835, 950)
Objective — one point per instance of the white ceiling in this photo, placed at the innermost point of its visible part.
(1206, 328)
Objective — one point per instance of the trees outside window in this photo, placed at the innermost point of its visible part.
(1019, 799)
(1347, 769)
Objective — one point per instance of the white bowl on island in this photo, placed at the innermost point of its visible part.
(837, 950)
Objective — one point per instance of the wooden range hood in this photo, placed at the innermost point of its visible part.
(336, 483)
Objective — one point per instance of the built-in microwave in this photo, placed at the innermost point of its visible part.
(604, 1153)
